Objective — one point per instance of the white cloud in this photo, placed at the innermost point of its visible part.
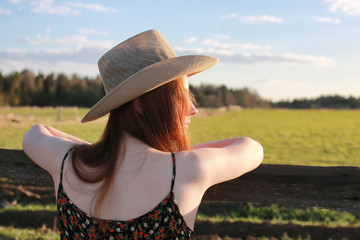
(48, 29)
(229, 55)
(15, 1)
(351, 7)
(47, 7)
(305, 59)
(273, 82)
(4, 11)
(251, 53)
(100, 45)
(253, 19)
(267, 81)
(93, 7)
(190, 40)
(80, 42)
(262, 18)
(237, 47)
(73, 40)
(92, 31)
(83, 59)
(327, 20)
(67, 8)
(38, 39)
(67, 67)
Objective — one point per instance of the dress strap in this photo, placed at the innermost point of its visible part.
(62, 164)
(174, 171)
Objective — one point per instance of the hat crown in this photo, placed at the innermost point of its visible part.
(132, 55)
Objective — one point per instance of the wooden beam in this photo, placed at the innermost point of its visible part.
(298, 186)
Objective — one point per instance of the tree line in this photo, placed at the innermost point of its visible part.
(335, 101)
(27, 89)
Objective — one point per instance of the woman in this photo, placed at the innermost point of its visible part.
(141, 180)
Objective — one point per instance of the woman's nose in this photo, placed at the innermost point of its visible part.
(193, 109)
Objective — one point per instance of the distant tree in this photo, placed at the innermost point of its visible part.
(244, 97)
(224, 93)
(13, 83)
(50, 84)
(335, 101)
(28, 86)
(1, 83)
(353, 102)
(211, 97)
(2, 94)
(39, 82)
(49, 97)
(62, 88)
(94, 91)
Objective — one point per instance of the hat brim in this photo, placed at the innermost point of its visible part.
(147, 79)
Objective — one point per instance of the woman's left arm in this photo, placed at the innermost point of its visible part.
(46, 146)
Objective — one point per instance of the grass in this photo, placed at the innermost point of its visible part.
(29, 207)
(298, 137)
(14, 122)
(232, 211)
(285, 236)
(217, 212)
(10, 233)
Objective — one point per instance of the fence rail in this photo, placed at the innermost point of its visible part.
(297, 186)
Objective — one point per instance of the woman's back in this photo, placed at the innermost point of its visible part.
(130, 204)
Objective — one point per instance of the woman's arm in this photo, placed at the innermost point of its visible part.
(56, 133)
(223, 160)
(46, 146)
(215, 144)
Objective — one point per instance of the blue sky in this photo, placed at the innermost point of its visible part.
(282, 49)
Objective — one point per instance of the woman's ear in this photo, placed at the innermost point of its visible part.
(138, 107)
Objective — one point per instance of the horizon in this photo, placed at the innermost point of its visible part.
(252, 90)
(282, 50)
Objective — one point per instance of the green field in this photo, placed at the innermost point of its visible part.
(299, 137)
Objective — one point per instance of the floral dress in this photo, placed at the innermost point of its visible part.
(163, 222)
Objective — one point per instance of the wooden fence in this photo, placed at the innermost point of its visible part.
(298, 186)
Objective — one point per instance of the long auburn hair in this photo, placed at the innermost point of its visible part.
(160, 124)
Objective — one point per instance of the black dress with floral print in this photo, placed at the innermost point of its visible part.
(163, 222)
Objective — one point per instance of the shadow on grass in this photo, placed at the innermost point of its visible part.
(28, 219)
(4, 237)
(244, 230)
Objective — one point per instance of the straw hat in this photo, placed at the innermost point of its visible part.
(139, 65)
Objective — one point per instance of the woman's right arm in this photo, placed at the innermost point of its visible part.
(46, 146)
(215, 144)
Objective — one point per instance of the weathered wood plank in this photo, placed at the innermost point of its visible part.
(299, 186)
(16, 166)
